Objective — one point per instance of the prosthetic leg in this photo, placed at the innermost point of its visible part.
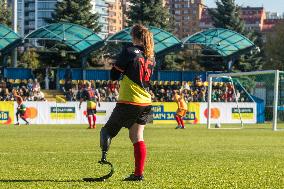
(105, 141)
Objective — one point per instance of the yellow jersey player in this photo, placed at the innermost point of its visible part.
(135, 64)
(92, 97)
(182, 109)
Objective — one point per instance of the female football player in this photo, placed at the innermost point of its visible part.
(135, 65)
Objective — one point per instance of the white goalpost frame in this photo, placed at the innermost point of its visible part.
(275, 100)
(235, 95)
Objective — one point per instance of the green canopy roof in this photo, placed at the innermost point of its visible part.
(8, 39)
(223, 41)
(164, 41)
(79, 38)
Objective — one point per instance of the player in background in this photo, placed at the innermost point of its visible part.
(135, 63)
(92, 97)
(21, 109)
(182, 109)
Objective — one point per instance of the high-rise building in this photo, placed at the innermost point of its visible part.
(187, 14)
(101, 7)
(32, 14)
(115, 17)
(125, 7)
(252, 16)
(110, 12)
(272, 15)
(269, 24)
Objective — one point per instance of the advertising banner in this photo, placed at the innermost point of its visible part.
(64, 113)
(164, 113)
(6, 113)
(244, 113)
(229, 112)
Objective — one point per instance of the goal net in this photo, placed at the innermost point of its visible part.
(246, 99)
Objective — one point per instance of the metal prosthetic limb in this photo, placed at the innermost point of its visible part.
(105, 141)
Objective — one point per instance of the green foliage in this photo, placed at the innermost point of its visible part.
(5, 13)
(77, 12)
(274, 48)
(182, 61)
(55, 156)
(227, 15)
(105, 56)
(149, 13)
(30, 59)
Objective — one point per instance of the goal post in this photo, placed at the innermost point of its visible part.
(245, 98)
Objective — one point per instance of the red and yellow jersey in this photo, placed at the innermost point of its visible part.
(180, 102)
(91, 97)
(137, 71)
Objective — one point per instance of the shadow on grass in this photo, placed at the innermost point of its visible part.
(38, 180)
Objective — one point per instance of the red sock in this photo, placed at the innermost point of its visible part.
(90, 121)
(94, 120)
(178, 119)
(140, 157)
(181, 121)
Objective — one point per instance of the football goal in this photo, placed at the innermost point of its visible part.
(246, 100)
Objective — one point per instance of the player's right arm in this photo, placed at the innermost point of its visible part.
(98, 98)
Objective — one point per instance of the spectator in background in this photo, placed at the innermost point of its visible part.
(163, 91)
(36, 86)
(2, 93)
(111, 86)
(185, 85)
(22, 84)
(3, 84)
(30, 85)
(39, 96)
(69, 95)
(67, 86)
(8, 84)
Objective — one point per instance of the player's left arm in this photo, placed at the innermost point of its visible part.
(120, 65)
(82, 98)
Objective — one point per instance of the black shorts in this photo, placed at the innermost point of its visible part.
(125, 115)
(91, 112)
(21, 113)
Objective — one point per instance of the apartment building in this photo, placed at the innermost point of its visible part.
(253, 17)
(187, 15)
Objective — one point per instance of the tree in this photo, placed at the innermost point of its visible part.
(227, 15)
(77, 12)
(5, 13)
(149, 13)
(274, 48)
(29, 59)
(182, 60)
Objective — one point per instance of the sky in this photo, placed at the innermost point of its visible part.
(269, 5)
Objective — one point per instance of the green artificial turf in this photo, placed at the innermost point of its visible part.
(49, 156)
